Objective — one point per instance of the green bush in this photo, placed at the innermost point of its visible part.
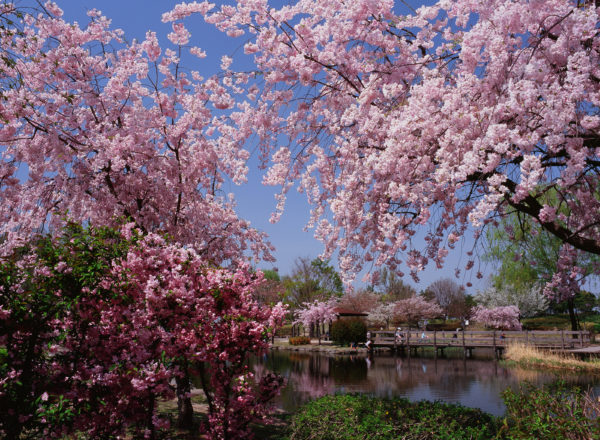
(450, 325)
(359, 417)
(299, 340)
(553, 412)
(284, 330)
(347, 331)
(547, 323)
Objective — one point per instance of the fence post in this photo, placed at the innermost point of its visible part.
(494, 341)
(581, 338)
(562, 336)
(526, 337)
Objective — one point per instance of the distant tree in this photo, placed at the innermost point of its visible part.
(271, 274)
(313, 314)
(392, 288)
(382, 315)
(310, 281)
(359, 301)
(411, 310)
(502, 318)
(450, 296)
(272, 290)
(530, 301)
(528, 255)
(583, 302)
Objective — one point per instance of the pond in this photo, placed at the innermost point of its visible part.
(474, 382)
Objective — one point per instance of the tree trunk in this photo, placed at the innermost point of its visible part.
(572, 315)
(185, 411)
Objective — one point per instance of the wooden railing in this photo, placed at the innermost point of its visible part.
(558, 339)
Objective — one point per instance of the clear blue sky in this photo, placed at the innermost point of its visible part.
(255, 202)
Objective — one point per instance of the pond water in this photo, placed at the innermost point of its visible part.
(475, 382)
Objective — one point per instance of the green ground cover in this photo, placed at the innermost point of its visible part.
(553, 412)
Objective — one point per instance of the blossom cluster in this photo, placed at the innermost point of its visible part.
(94, 348)
(446, 117)
(502, 318)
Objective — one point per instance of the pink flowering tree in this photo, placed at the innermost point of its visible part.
(382, 314)
(502, 318)
(110, 134)
(449, 116)
(315, 314)
(412, 310)
(199, 317)
(99, 327)
(96, 135)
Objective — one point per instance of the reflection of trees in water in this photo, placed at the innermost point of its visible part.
(311, 375)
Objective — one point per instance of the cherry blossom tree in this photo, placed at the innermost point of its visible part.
(359, 300)
(95, 129)
(448, 116)
(529, 301)
(316, 313)
(503, 318)
(382, 314)
(413, 309)
(449, 295)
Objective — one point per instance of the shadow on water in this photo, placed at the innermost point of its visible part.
(476, 382)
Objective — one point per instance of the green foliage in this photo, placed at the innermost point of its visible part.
(299, 340)
(591, 322)
(549, 413)
(347, 331)
(310, 281)
(52, 285)
(440, 325)
(271, 274)
(392, 287)
(583, 301)
(284, 330)
(359, 417)
(551, 322)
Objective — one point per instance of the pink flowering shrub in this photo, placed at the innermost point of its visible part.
(93, 344)
(193, 315)
(502, 318)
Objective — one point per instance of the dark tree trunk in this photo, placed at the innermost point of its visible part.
(185, 411)
(572, 314)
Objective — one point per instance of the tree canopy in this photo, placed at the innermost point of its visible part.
(447, 116)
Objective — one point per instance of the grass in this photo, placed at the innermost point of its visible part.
(532, 357)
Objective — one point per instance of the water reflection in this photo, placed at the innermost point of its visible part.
(476, 383)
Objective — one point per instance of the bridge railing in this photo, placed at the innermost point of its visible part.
(563, 339)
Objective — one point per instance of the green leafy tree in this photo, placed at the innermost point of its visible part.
(272, 290)
(528, 256)
(392, 288)
(310, 281)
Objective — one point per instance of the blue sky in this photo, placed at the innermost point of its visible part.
(255, 202)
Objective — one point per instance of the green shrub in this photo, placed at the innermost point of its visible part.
(547, 322)
(553, 412)
(359, 417)
(347, 331)
(299, 340)
(284, 330)
(449, 325)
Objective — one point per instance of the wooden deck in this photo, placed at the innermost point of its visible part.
(560, 340)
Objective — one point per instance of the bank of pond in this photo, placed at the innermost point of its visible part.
(399, 397)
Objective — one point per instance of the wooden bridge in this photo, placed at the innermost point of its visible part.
(559, 340)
